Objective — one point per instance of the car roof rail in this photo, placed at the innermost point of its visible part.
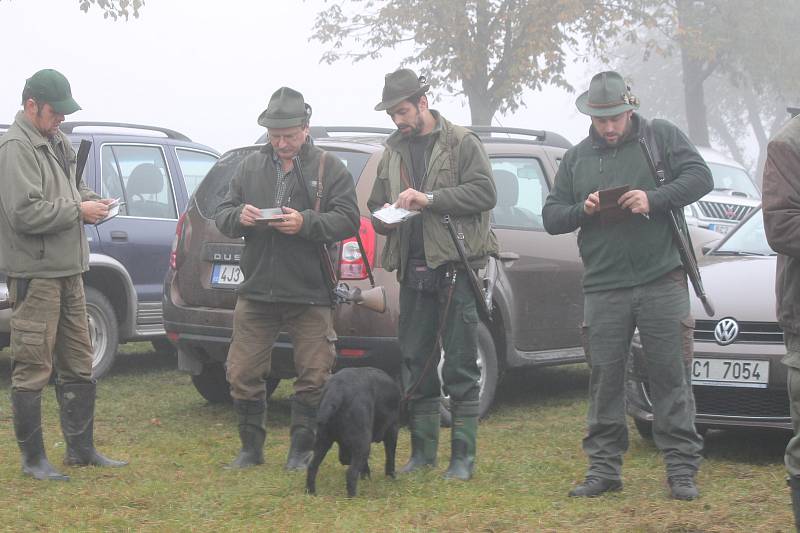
(69, 127)
(319, 132)
(542, 136)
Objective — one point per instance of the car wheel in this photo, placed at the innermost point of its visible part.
(163, 346)
(103, 332)
(644, 427)
(487, 364)
(212, 384)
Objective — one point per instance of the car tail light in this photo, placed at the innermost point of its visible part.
(173, 255)
(351, 264)
(352, 352)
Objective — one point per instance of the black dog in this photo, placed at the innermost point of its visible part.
(359, 406)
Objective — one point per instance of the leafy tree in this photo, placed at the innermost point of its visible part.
(488, 50)
(114, 9)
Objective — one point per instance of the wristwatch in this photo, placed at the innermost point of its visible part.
(429, 196)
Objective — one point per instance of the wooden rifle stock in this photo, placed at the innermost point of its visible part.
(681, 239)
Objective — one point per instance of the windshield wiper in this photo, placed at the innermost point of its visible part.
(739, 253)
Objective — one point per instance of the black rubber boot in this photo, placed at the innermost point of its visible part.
(27, 407)
(303, 431)
(76, 402)
(463, 440)
(794, 484)
(424, 422)
(252, 432)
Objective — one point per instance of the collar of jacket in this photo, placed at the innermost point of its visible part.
(36, 138)
(396, 139)
(598, 143)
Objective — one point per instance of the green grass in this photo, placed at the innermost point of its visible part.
(529, 456)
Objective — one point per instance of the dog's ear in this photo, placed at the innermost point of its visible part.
(329, 405)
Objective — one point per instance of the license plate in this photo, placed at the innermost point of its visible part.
(226, 275)
(730, 372)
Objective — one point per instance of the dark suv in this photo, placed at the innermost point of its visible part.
(538, 302)
(153, 171)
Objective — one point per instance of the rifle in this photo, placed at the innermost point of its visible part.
(83, 156)
(484, 307)
(681, 236)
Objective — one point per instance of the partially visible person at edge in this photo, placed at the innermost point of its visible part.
(284, 287)
(43, 251)
(781, 210)
(633, 279)
(436, 167)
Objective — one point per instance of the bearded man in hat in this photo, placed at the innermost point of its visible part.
(633, 278)
(43, 251)
(284, 287)
(438, 168)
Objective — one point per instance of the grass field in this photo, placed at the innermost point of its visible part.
(529, 456)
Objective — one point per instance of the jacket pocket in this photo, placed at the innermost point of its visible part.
(28, 340)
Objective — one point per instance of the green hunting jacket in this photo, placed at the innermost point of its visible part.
(635, 249)
(288, 268)
(459, 175)
(41, 228)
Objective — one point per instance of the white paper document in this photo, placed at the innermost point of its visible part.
(393, 215)
(113, 210)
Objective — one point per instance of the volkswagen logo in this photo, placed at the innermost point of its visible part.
(726, 331)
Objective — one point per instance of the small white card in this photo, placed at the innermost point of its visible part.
(393, 215)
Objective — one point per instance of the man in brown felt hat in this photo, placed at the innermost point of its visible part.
(633, 278)
(44, 252)
(284, 287)
(438, 168)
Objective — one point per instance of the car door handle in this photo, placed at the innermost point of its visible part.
(119, 235)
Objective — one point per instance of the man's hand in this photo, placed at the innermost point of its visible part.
(93, 211)
(592, 203)
(293, 223)
(636, 201)
(412, 199)
(249, 215)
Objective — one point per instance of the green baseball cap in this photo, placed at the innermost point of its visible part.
(401, 85)
(51, 87)
(286, 109)
(608, 95)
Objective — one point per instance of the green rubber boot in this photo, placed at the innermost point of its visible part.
(463, 440)
(252, 432)
(424, 424)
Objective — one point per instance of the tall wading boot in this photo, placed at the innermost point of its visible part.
(27, 407)
(424, 421)
(463, 440)
(794, 484)
(303, 431)
(252, 416)
(76, 402)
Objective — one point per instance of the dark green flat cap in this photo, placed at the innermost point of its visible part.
(400, 85)
(51, 87)
(286, 109)
(608, 95)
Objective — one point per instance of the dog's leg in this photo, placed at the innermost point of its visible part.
(359, 451)
(390, 447)
(322, 444)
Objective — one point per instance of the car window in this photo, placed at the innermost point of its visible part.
(749, 238)
(194, 166)
(354, 161)
(139, 176)
(215, 185)
(521, 192)
(728, 178)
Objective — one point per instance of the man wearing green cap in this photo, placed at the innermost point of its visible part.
(285, 286)
(633, 278)
(43, 251)
(438, 168)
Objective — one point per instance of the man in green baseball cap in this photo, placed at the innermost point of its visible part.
(286, 217)
(633, 277)
(42, 212)
(439, 168)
